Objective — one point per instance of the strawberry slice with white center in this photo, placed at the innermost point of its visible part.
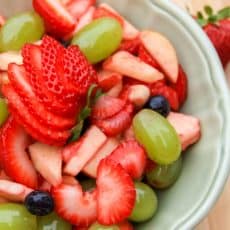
(33, 126)
(57, 19)
(116, 124)
(106, 107)
(20, 82)
(16, 162)
(132, 158)
(75, 206)
(51, 170)
(115, 193)
(129, 65)
(9, 57)
(13, 191)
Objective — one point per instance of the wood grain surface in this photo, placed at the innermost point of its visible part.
(219, 216)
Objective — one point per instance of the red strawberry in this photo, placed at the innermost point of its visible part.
(181, 86)
(20, 82)
(36, 129)
(116, 124)
(57, 19)
(169, 93)
(125, 225)
(32, 59)
(16, 163)
(103, 12)
(78, 7)
(131, 46)
(217, 27)
(132, 158)
(73, 205)
(145, 56)
(115, 193)
(107, 107)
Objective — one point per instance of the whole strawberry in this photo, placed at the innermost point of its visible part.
(217, 27)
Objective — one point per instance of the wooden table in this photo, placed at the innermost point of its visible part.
(219, 216)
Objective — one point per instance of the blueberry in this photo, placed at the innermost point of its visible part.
(159, 104)
(39, 203)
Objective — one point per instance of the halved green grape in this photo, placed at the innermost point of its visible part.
(146, 203)
(16, 216)
(99, 39)
(163, 176)
(53, 222)
(88, 185)
(20, 29)
(158, 137)
(97, 226)
(3, 111)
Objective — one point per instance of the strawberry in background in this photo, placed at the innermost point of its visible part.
(217, 27)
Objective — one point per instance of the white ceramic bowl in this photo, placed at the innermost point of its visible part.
(206, 165)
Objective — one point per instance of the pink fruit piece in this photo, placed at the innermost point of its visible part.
(13, 191)
(126, 64)
(93, 139)
(187, 127)
(115, 90)
(91, 167)
(9, 57)
(75, 206)
(115, 193)
(162, 51)
(48, 162)
(132, 158)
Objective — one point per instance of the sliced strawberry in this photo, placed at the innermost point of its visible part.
(181, 86)
(16, 163)
(45, 186)
(52, 169)
(115, 90)
(115, 193)
(73, 205)
(125, 225)
(128, 65)
(69, 180)
(116, 124)
(91, 167)
(32, 59)
(132, 158)
(145, 56)
(129, 134)
(131, 46)
(169, 93)
(103, 12)
(187, 127)
(57, 19)
(20, 82)
(13, 191)
(90, 144)
(108, 79)
(30, 123)
(107, 107)
(78, 7)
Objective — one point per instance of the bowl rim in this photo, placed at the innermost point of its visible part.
(209, 52)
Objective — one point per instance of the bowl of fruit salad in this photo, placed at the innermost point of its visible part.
(114, 115)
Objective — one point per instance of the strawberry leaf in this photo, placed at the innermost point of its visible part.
(224, 13)
(76, 132)
(208, 10)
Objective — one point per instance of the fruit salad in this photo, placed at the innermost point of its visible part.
(90, 121)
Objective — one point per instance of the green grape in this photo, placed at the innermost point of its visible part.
(158, 137)
(3, 111)
(88, 185)
(163, 176)
(20, 29)
(97, 226)
(99, 39)
(16, 216)
(53, 222)
(146, 203)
